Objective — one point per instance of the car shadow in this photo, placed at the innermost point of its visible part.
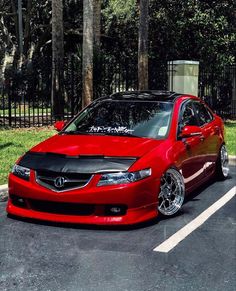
(193, 195)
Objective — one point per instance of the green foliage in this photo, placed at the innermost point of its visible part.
(189, 29)
(120, 22)
(124, 10)
(198, 30)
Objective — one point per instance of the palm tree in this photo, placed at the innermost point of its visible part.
(143, 44)
(57, 92)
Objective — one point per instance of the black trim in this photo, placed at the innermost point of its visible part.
(64, 208)
(197, 115)
(75, 164)
(180, 115)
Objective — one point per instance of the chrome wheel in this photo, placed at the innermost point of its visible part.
(224, 161)
(172, 190)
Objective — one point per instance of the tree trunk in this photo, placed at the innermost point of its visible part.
(57, 90)
(16, 24)
(27, 34)
(97, 58)
(143, 45)
(87, 95)
(97, 24)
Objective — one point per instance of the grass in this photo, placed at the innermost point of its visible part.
(25, 111)
(230, 128)
(15, 142)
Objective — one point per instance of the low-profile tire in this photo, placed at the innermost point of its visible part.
(222, 164)
(172, 193)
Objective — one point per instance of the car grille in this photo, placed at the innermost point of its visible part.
(62, 181)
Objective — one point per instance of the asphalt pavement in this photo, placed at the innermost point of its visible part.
(46, 256)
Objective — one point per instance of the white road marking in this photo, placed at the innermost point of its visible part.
(177, 237)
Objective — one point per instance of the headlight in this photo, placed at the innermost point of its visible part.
(123, 177)
(21, 172)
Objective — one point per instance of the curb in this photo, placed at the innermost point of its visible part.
(3, 192)
(232, 160)
(4, 188)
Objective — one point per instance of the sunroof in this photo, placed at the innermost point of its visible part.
(145, 95)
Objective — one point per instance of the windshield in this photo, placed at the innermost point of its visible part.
(124, 118)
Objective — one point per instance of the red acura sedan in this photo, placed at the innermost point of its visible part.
(124, 159)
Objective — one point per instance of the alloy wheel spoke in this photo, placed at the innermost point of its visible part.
(161, 194)
(162, 203)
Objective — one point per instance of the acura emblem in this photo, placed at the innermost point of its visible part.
(59, 182)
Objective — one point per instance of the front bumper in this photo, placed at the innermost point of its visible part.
(139, 200)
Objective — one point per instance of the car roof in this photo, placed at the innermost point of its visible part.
(147, 95)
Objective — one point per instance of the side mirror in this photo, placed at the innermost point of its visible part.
(190, 131)
(59, 125)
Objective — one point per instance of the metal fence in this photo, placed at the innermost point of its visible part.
(218, 89)
(25, 97)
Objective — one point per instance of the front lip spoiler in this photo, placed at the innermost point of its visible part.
(133, 216)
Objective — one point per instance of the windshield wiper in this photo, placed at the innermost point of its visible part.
(123, 134)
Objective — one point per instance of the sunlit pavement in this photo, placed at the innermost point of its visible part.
(41, 256)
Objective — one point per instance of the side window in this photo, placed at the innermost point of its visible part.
(203, 113)
(187, 117)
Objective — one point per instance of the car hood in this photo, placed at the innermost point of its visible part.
(110, 146)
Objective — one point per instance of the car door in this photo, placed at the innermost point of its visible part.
(210, 134)
(193, 159)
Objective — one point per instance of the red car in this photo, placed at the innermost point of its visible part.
(122, 160)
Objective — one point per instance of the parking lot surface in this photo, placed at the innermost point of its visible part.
(47, 256)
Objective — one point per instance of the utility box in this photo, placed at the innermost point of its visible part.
(183, 76)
